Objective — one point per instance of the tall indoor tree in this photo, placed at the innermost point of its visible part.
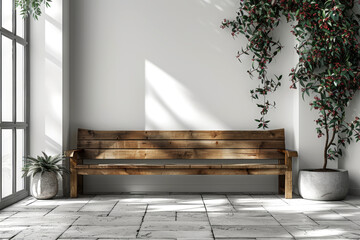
(329, 55)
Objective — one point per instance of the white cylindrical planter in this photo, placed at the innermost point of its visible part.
(44, 186)
(324, 185)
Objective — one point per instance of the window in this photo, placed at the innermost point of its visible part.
(13, 117)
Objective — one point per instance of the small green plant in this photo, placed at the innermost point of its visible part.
(44, 163)
(31, 7)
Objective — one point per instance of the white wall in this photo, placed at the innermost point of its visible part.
(160, 64)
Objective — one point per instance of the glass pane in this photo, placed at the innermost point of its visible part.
(20, 93)
(20, 146)
(19, 24)
(7, 14)
(7, 83)
(7, 140)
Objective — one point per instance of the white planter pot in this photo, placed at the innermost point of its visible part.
(318, 185)
(44, 186)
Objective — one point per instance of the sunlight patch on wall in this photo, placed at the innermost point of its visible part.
(53, 81)
(169, 105)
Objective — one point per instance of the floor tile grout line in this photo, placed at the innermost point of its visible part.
(86, 203)
(227, 197)
(278, 222)
(68, 227)
(207, 215)
(30, 202)
(142, 220)
(50, 211)
(117, 202)
(332, 210)
(9, 216)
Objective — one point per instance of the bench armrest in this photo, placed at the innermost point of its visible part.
(289, 153)
(71, 153)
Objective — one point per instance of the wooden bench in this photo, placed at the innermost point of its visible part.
(163, 145)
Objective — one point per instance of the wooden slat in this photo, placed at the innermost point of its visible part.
(208, 166)
(185, 166)
(111, 144)
(235, 135)
(190, 171)
(182, 154)
(254, 166)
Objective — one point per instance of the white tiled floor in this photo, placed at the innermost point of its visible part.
(176, 216)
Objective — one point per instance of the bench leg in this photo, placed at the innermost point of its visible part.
(281, 184)
(73, 183)
(288, 178)
(281, 180)
(80, 184)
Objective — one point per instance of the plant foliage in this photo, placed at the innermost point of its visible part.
(255, 20)
(31, 7)
(328, 70)
(44, 163)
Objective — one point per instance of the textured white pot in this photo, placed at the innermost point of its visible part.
(316, 185)
(44, 186)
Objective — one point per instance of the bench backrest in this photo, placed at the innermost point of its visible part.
(181, 144)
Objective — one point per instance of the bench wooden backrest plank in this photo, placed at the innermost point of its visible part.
(181, 144)
(278, 134)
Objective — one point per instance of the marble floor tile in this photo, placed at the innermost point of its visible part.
(191, 216)
(294, 219)
(10, 231)
(175, 226)
(39, 221)
(350, 214)
(107, 221)
(338, 223)
(175, 234)
(233, 219)
(160, 216)
(4, 215)
(30, 214)
(98, 207)
(128, 209)
(176, 207)
(100, 232)
(325, 216)
(78, 214)
(181, 216)
(69, 207)
(220, 208)
(250, 231)
(41, 233)
(323, 231)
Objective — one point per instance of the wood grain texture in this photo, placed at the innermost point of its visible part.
(73, 175)
(133, 144)
(179, 171)
(278, 134)
(184, 166)
(181, 154)
(288, 177)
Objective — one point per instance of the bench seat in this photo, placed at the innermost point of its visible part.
(184, 166)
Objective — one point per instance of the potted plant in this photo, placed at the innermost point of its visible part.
(43, 171)
(328, 71)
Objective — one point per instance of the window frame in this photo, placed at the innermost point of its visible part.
(15, 196)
